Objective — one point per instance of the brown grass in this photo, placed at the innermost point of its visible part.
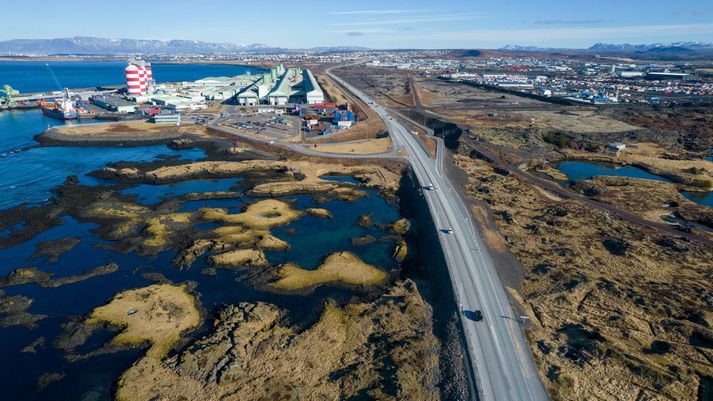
(371, 146)
(341, 267)
(263, 214)
(161, 313)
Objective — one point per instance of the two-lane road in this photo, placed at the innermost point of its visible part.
(503, 363)
(497, 349)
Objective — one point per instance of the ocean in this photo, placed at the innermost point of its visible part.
(34, 367)
(29, 172)
(33, 76)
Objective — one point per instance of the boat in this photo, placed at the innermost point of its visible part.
(58, 110)
(61, 109)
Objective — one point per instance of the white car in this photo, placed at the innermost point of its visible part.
(448, 230)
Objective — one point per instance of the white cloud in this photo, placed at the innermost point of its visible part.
(618, 34)
(365, 30)
(375, 12)
(414, 19)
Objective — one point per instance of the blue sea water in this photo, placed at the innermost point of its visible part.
(32, 76)
(311, 240)
(152, 194)
(28, 174)
(30, 171)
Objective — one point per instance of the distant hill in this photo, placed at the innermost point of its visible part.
(653, 46)
(465, 53)
(681, 47)
(521, 48)
(84, 45)
(654, 51)
(333, 49)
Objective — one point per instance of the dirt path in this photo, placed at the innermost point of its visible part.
(415, 93)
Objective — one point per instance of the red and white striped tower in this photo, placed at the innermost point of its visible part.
(149, 77)
(133, 84)
(142, 79)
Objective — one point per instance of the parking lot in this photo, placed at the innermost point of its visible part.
(268, 124)
(201, 119)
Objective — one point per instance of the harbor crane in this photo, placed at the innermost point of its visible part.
(7, 96)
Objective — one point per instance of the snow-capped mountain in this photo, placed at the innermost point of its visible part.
(625, 47)
(92, 45)
(651, 46)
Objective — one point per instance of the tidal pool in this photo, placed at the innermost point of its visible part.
(311, 240)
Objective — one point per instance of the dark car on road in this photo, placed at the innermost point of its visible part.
(474, 315)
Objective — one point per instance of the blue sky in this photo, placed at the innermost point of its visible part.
(371, 23)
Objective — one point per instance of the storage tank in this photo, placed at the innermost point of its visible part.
(133, 84)
(149, 77)
(142, 79)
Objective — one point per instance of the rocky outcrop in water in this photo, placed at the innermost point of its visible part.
(379, 350)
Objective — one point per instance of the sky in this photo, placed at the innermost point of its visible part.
(369, 23)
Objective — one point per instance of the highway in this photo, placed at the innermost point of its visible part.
(503, 365)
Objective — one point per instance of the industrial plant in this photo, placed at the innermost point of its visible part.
(144, 97)
(278, 86)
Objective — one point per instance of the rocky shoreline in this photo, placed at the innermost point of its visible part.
(381, 365)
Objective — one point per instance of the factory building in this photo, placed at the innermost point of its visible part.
(161, 118)
(179, 102)
(282, 91)
(313, 93)
(113, 103)
(277, 86)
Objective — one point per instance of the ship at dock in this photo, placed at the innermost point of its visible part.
(67, 108)
(61, 109)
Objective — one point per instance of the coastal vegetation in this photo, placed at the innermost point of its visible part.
(158, 314)
(338, 268)
(240, 258)
(369, 335)
(263, 214)
(601, 289)
(366, 349)
(613, 272)
(27, 275)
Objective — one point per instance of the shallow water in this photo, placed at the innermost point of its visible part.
(340, 178)
(311, 239)
(702, 198)
(28, 177)
(29, 173)
(579, 170)
(152, 194)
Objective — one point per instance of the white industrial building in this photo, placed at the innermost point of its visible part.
(180, 102)
(174, 119)
(313, 93)
(277, 86)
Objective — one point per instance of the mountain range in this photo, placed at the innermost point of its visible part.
(84, 45)
(626, 47)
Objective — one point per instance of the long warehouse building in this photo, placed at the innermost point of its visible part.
(313, 93)
(279, 85)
